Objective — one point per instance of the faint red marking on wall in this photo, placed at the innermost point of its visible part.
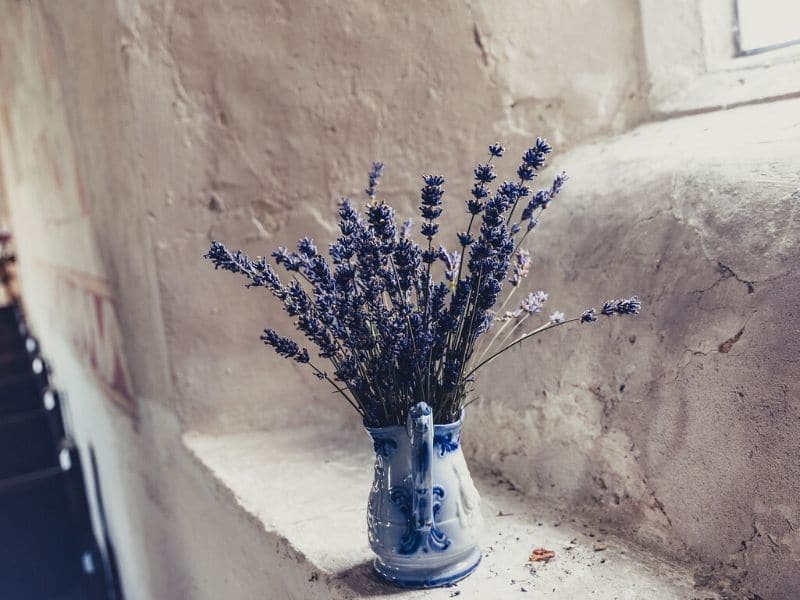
(86, 316)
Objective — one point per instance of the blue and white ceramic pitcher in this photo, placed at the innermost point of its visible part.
(424, 511)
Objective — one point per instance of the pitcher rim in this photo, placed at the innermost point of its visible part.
(436, 426)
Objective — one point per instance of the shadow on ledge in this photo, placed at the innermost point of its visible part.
(364, 581)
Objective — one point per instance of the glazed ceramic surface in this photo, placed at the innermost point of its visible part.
(424, 511)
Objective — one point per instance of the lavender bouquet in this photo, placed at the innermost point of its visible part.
(401, 322)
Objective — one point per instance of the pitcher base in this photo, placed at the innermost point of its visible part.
(420, 577)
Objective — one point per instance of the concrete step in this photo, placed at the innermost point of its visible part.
(309, 487)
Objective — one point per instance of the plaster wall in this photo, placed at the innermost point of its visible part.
(135, 132)
(262, 130)
(679, 426)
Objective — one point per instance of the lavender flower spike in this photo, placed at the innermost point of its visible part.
(631, 306)
(534, 302)
(536, 154)
(431, 209)
(522, 265)
(451, 261)
(374, 179)
(484, 173)
(258, 272)
(496, 150)
(622, 306)
(284, 346)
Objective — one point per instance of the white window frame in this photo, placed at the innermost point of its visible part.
(692, 61)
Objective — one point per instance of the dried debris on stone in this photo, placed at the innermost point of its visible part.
(540, 554)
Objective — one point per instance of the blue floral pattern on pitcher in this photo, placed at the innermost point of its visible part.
(424, 511)
(445, 443)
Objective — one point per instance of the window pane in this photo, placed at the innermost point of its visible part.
(767, 23)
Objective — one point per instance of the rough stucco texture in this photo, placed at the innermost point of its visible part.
(245, 121)
(681, 425)
(266, 113)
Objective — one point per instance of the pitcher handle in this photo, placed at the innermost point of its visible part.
(420, 425)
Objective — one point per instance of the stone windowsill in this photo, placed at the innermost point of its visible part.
(309, 487)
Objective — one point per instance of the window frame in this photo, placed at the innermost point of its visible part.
(694, 63)
(757, 50)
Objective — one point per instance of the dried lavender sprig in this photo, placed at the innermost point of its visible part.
(285, 346)
(450, 260)
(522, 265)
(393, 350)
(489, 258)
(374, 179)
(496, 150)
(532, 162)
(288, 348)
(431, 208)
(532, 303)
(261, 274)
(258, 272)
(475, 204)
(622, 306)
(633, 306)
